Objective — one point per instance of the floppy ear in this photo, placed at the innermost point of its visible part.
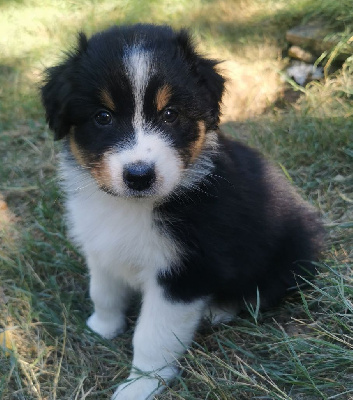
(204, 70)
(57, 91)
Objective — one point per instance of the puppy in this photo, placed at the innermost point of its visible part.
(160, 201)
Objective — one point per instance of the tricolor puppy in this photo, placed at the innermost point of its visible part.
(160, 201)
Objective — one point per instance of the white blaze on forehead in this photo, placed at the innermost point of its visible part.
(138, 63)
(150, 145)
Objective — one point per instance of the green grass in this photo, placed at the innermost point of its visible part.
(301, 350)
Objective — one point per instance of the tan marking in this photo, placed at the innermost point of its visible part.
(163, 96)
(76, 151)
(101, 172)
(107, 100)
(197, 146)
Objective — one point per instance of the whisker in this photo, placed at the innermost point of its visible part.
(220, 177)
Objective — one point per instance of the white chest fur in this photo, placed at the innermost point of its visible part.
(118, 235)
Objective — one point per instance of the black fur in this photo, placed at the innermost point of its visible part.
(240, 229)
(240, 234)
(71, 88)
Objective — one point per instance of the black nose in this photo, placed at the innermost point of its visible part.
(139, 176)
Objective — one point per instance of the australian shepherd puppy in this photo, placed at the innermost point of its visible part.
(160, 201)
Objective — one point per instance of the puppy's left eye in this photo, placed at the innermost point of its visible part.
(103, 118)
(170, 115)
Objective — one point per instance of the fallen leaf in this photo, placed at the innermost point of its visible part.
(6, 342)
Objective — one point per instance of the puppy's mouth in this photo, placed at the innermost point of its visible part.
(130, 193)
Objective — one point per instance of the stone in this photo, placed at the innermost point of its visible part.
(314, 38)
(303, 73)
(300, 54)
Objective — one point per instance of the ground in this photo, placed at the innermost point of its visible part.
(302, 349)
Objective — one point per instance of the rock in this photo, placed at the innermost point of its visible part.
(300, 54)
(309, 36)
(314, 37)
(303, 73)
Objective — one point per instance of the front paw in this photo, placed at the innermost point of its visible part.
(107, 327)
(141, 388)
(144, 387)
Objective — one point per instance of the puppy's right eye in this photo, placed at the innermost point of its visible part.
(103, 118)
(170, 115)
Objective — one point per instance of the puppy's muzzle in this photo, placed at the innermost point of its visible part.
(139, 176)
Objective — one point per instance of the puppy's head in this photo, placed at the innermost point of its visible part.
(137, 106)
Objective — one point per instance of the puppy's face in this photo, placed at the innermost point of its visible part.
(137, 106)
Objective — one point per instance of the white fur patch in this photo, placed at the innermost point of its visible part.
(124, 249)
(139, 69)
(219, 315)
(153, 149)
(110, 298)
(163, 332)
(117, 235)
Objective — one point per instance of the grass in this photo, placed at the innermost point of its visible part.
(301, 350)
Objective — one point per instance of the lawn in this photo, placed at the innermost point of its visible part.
(301, 350)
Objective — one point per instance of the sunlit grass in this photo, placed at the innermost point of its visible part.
(300, 350)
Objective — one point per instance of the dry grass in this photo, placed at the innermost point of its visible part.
(301, 350)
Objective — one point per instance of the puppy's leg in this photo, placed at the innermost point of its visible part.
(219, 315)
(164, 330)
(110, 298)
